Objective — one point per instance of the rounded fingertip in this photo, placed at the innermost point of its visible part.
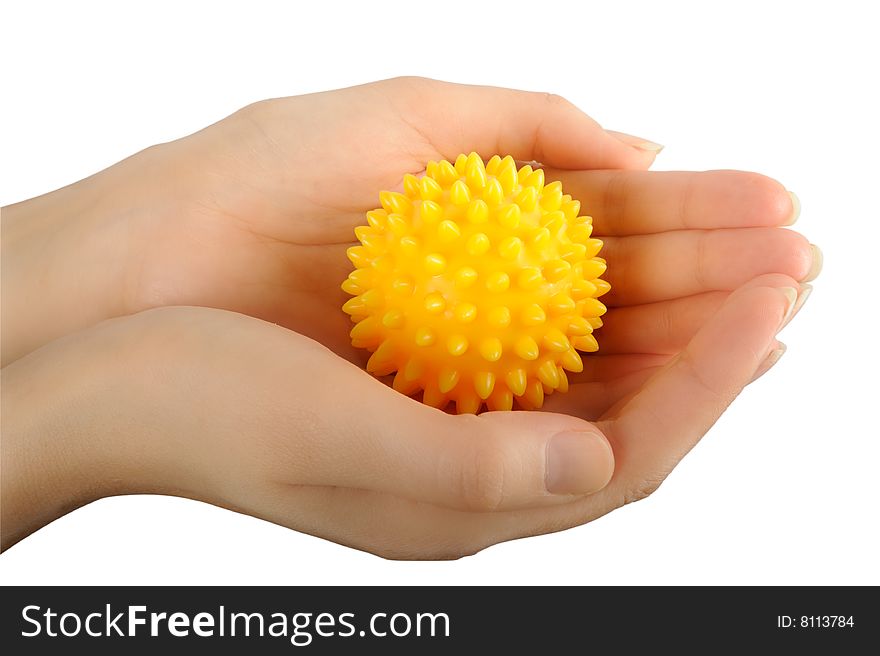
(578, 463)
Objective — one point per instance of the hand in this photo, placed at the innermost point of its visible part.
(251, 215)
(248, 415)
(254, 213)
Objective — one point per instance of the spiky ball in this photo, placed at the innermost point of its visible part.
(478, 283)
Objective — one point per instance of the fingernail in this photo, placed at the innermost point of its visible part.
(636, 142)
(803, 295)
(791, 295)
(771, 359)
(816, 267)
(795, 209)
(578, 462)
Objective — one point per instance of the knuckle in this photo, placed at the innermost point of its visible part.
(413, 83)
(553, 99)
(480, 476)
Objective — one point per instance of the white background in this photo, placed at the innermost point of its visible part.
(784, 488)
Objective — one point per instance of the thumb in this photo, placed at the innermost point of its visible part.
(527, 125)
(383, 441)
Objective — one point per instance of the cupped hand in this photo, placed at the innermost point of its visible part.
(248, 415)
(263, 223)
(254, 215)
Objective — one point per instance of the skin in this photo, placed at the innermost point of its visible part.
(172, 325)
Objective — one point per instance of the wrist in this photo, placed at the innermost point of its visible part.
(70, 256)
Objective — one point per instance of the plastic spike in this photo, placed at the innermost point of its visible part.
(459, 194)
(484, 383)
(491, 349)
(526, 348)
(448, 379)
(411, 186)
(457, 345)
(493, 164)
(429, 189)
(493, 193)
(516, 380)
(497, 282)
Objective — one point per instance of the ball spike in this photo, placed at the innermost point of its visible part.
(533, 315)
(413, 369)
(497, 282)
(555, 340)
(477, 211)
(467, 404)
(526, 348)
(459, 194)
(377, 219)
(456, 345)
(446, 173)
(484, 383)
(510, 248)
(500, 399)
(493, 193)
(516, 380)
(572, 362)
(510, 216)
(465, 312)
(585, 343)
(478, 244)
(434, 397)
(493, 164)
(411, 186)
(424, 336)
(465, 277)
(448, 231)
(548, 374)
(448, 379)
(435, 264)
(491, 349)
(475, 172)
(404, 385)
(507, 176)
(395, 202)
(435, 303)
(429, 189)
(534, 393)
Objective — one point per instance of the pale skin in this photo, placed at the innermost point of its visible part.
(172, 325)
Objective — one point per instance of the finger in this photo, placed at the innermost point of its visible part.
(664, 327)
(602, 368)
(650, 268)
(412, 530)
(642, 202)
(664, 420)
(590, 401)
(458, 118)
(381, 440)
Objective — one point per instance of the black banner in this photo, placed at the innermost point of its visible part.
(438, 620)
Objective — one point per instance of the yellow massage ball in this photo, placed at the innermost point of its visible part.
(478, 284)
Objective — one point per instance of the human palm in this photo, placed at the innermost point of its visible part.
(275, 192)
